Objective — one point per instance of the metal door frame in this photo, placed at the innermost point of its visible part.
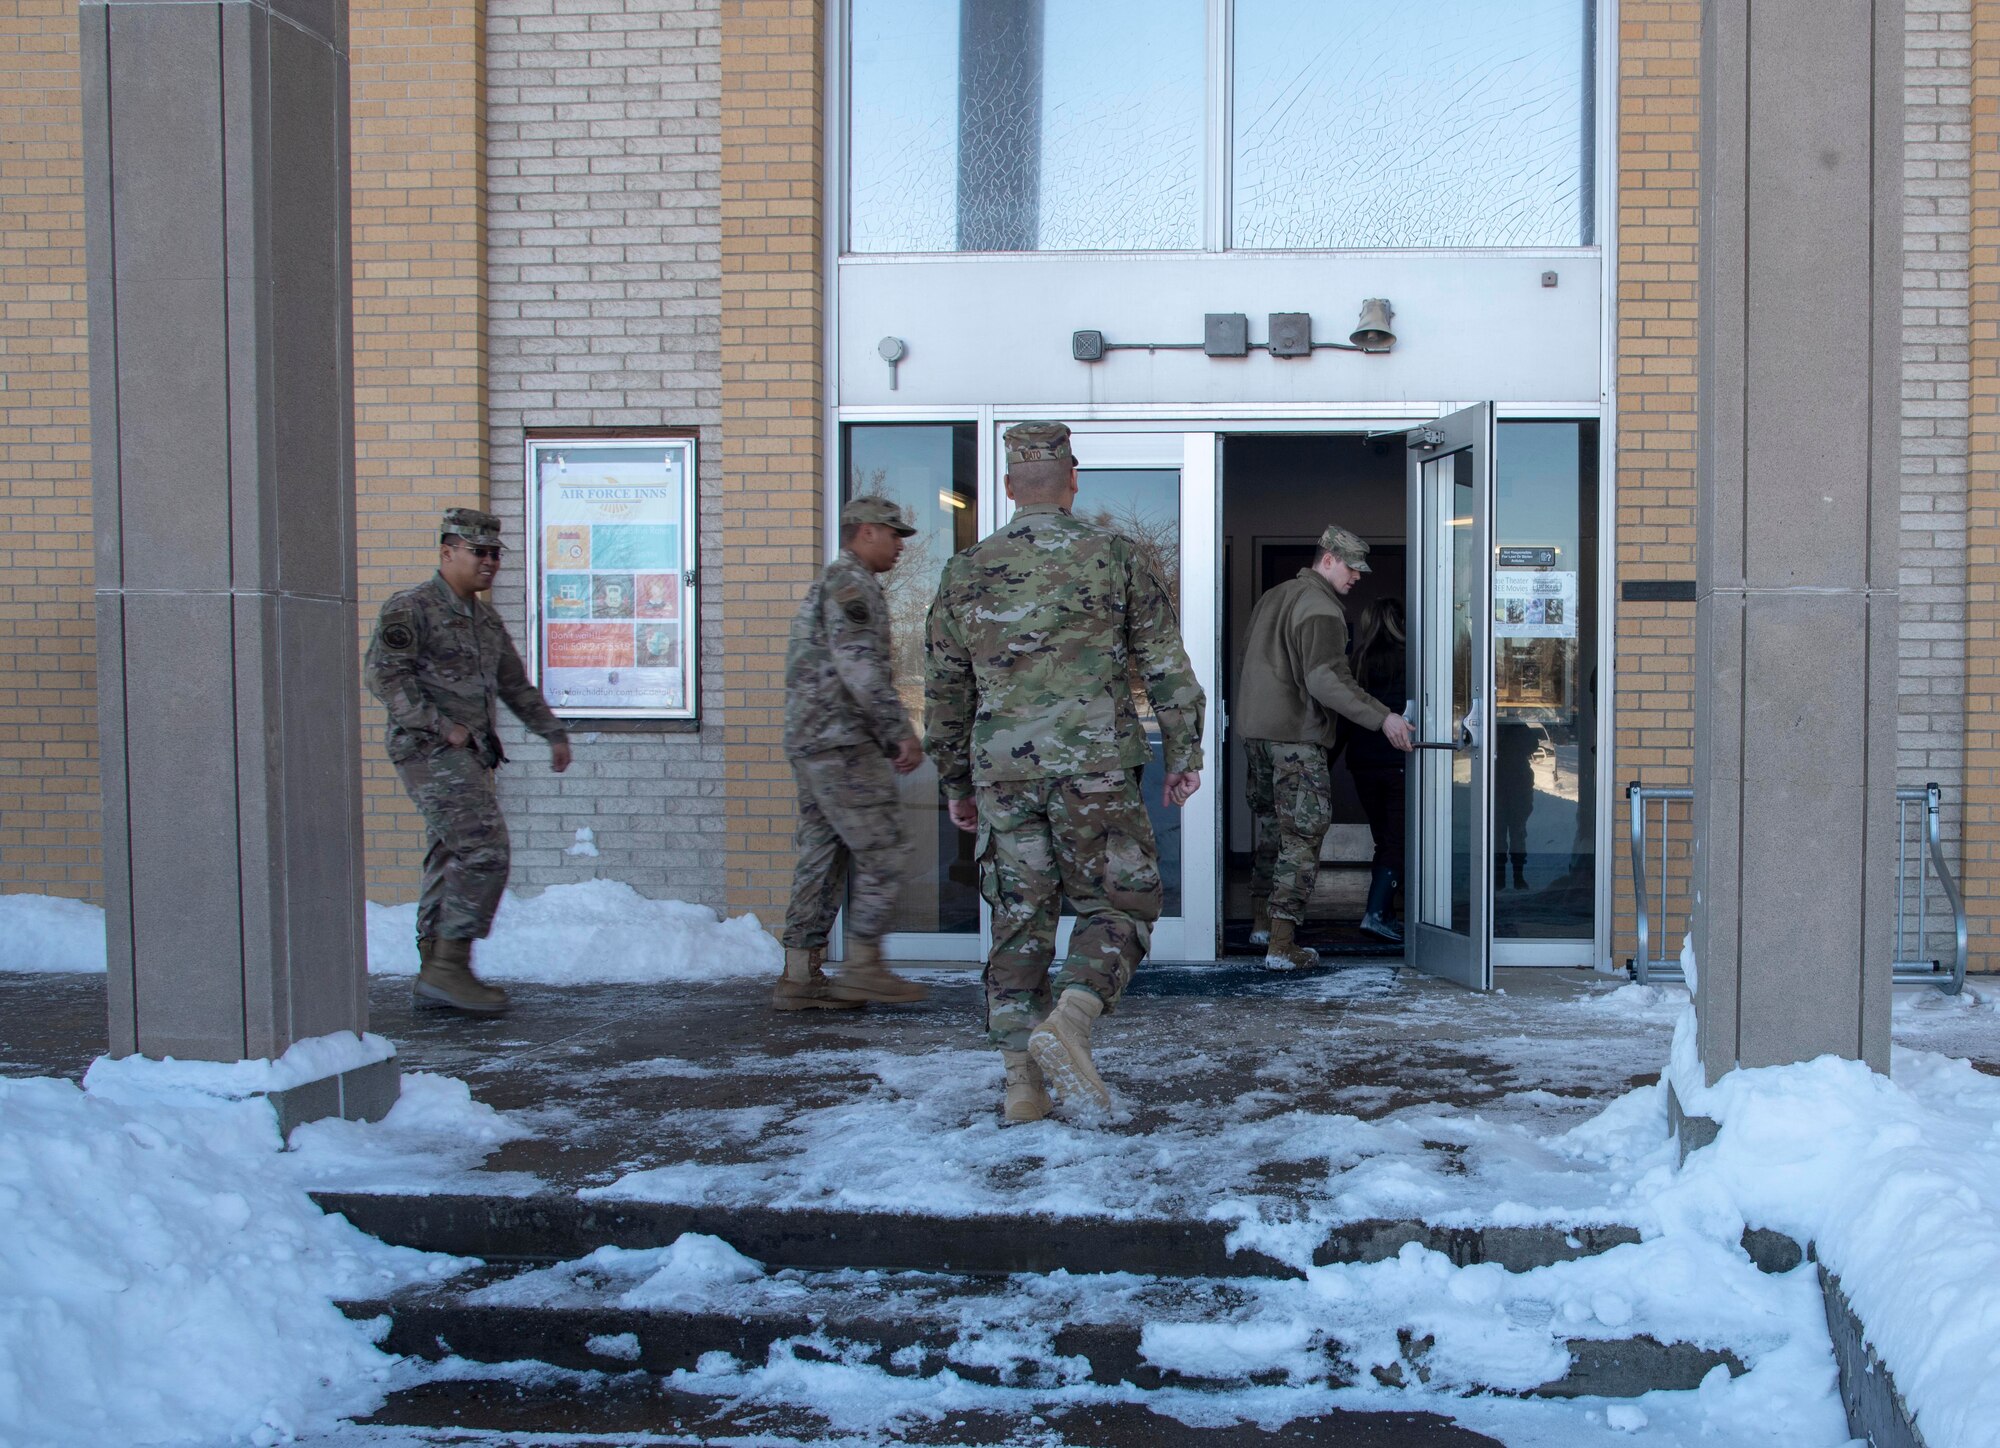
(1447, 739)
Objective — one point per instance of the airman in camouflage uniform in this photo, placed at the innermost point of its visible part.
(845, 731)
(438, 661)
(1034, 638)
(1295, 680)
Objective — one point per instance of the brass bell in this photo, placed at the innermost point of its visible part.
(1371, 333)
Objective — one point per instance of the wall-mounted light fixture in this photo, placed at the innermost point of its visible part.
(892, 350)
(1227, 334)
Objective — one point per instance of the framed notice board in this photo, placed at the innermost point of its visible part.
(613, 592)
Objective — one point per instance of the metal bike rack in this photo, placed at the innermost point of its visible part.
(1919, 854)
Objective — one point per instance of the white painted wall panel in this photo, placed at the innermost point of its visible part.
(996, 329)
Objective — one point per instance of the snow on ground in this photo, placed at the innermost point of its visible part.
(164, 1277)
(592, 931)
(1897, 1183)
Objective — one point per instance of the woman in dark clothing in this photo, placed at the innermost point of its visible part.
(1377, 766)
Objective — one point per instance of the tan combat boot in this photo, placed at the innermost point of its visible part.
(1260, 925)
(863, 977)
(1027, 1099)
(1061, 1047)
(446, 978)
(1285, 952)
(804, 986)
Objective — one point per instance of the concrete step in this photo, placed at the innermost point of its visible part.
(553, 1228)
(1035, 1334)
(636, 1409)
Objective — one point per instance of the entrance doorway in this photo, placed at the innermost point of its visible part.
(1227, 514)
(1279, 491)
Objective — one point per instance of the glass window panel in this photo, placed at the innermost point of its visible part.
(1445, 778)
(1545, 680)
(931, 470)
(1145, 505)
(1025, 125)
(1454, 123)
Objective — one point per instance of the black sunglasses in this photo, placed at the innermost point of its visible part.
(485, 554)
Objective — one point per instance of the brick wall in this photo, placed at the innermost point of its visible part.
(773, 389)
(416, 75)
(1982, 650)
(48, 680)
(1936, 387)
(603, 144)
(1659, 116)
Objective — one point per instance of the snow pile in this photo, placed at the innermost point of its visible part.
(696, 1272)
(312, 1059)
(48, 933)
(590, 932)
(162, 1278)
(1896, 1181)
(436, 1134)
(593, 931)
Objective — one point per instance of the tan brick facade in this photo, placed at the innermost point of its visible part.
(1659, 118)
(48, 679)
(419, 204)
(1982, 662)
(773, 395)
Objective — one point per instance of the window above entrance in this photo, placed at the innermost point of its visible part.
(1187, 125)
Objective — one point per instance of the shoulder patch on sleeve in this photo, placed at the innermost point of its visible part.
(854, 603)
(398, 632)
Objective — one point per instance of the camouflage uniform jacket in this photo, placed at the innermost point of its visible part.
(437, 659)
(1296, 681)
(839, 685)
(1032, 635)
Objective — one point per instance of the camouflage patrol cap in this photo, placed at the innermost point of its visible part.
(1345, 546)
(1038, 442)
(872, 509)
(480, 530)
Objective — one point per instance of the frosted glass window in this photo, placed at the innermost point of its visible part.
(1362, 123)
(1025, 125)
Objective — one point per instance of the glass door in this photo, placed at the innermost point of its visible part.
(1158, 488)
(1450, 921)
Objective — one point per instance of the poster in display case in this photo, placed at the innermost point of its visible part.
(611, 573)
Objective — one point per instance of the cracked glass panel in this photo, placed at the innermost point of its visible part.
(1360, 123)
(1025, 125)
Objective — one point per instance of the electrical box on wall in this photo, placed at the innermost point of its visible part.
(1226, 334)
(1291, 334)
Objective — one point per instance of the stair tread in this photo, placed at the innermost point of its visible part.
(635, 1409)
(560, 1227)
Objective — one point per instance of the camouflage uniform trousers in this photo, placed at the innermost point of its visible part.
(1085, 836)
(465, 869)
(1291, 800)
(847, 818)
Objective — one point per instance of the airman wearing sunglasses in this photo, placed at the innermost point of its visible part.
(439, 661)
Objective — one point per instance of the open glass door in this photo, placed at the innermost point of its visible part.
(1158, 488)
(1450, 901)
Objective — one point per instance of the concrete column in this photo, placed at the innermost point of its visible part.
(222, 448)
(1795, 621)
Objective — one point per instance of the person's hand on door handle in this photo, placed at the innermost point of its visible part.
(964, 813)
(1180, 788)
(1396, 729)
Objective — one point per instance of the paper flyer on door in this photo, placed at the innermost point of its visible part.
(1534, 604)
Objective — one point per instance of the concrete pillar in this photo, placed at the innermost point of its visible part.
(1801, 317)
(222, 451)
